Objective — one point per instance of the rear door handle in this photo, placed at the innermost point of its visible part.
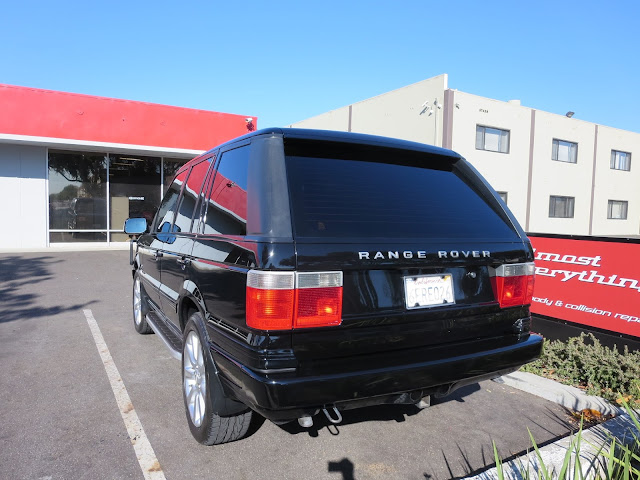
(157, 255)
(183, 262)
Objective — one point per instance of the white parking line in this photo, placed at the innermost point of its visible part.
(146, 456)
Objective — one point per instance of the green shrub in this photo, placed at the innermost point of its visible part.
(585, 363)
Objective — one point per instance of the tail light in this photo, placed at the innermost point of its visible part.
(270, 300)
(287, 300)
(513, 284)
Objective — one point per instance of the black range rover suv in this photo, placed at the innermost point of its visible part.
(299, 271)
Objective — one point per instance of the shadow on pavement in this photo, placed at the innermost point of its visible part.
(388, 413)
(345, 467)
(18, 275)
(564, 421)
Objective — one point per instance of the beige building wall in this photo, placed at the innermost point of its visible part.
(527, 172)
(550, 177)
(611, 184)
(411, 113)
(506, 172)
(332, 120)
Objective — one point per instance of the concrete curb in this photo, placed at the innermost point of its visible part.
(569, 397)
(592, 440)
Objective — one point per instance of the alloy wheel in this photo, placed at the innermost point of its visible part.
(195, 383)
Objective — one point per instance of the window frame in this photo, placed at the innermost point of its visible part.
(625, 209)
(614, 157)
(484, 141)
(207, 188)
(555, 146)
(205, 191)
(156, 221)
(553, 206)
(195, 212)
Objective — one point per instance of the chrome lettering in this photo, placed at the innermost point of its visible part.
(423, 254)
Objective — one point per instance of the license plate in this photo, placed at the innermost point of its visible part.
(428, 291)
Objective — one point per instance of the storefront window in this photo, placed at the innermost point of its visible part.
(77, 197)
(133, 190)
(79, 210)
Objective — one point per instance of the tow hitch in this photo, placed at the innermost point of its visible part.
(338, 418)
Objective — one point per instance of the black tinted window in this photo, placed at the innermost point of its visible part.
(353, 198)
(190, 195)
(169, 203)
(227, 202)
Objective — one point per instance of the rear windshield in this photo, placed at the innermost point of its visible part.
(410, 198)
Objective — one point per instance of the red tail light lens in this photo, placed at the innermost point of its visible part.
(286, 300)
(318, 299)
(513, 284)
(270, 300)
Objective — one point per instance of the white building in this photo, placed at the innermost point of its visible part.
(557, 174)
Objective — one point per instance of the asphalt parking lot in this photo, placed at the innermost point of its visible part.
(60, 418)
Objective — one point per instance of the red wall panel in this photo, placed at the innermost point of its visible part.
(46, 113)
(589, 282)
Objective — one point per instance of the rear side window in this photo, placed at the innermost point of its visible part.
(190, 196)
(169, 204)
(226, 212)
(404, 198)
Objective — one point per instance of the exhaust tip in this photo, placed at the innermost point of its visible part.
(305, 421)
(425, 402)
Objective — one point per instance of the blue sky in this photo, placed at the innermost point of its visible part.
(286, 61)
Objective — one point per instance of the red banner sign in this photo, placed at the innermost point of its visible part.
(594, 283)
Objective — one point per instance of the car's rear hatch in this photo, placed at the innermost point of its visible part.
(417, 237)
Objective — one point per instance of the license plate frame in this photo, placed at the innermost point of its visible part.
(435, 291)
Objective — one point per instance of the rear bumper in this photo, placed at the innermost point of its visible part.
(282, 397)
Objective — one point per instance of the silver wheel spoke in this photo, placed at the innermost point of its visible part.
(193, 393)
(189, 373)
(137, 302)
(199, 409)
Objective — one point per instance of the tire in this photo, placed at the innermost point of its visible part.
(140, 307)
(199, 386)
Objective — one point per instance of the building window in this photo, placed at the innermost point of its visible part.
(492, 139)
(133, 190)
(620, 160)
(561, 207)
(91, 194)
(617, 209)
(503, 196)
(564, 151)
(77, 197)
